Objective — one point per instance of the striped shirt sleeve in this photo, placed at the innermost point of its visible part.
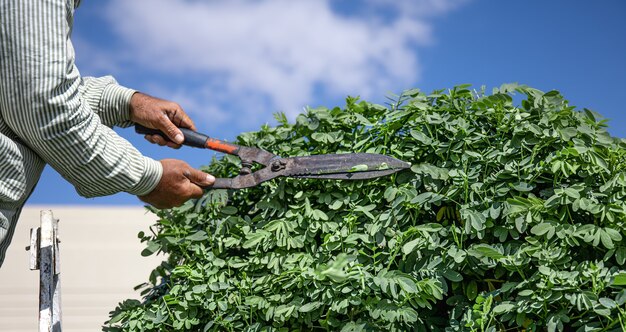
(43, 103)
(108, 99)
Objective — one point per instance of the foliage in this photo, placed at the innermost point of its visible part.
(512, 217)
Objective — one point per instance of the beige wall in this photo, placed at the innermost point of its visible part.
(100, 265)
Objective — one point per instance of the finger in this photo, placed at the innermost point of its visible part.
(154, 139)
(186, 121)
(169, 128)
(173, 145)
(180, 118)
(195, 191)
(158, 139)
(198, 177)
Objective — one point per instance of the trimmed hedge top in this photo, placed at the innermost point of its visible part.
(512, 217)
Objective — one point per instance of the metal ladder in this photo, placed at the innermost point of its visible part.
(44, 256)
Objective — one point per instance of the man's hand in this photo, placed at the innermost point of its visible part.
(160, 114)
(179, 183)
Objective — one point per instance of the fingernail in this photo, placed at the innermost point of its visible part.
(179, 138)
(210, 178)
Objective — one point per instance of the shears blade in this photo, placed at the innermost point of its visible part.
(348, 166)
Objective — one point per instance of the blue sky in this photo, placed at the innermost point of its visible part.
(232, 64)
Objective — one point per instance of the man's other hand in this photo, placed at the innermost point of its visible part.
(179, 183)
(160, 114)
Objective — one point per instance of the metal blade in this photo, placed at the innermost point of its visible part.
(349, 166)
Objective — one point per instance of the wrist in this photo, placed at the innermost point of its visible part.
(134, 104)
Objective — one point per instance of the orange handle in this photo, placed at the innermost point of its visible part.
(221, 146)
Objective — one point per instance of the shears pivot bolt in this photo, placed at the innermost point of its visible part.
(278, 165)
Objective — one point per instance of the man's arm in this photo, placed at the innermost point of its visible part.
(40, 100)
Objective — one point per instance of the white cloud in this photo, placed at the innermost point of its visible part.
(419, 8)
(278, 53)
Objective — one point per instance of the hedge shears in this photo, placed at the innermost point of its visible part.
(347, 166)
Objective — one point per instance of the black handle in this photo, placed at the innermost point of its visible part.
(192, 138)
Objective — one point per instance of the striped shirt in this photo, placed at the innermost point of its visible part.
(49, 114)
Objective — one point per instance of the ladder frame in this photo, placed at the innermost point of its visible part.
(44, 256)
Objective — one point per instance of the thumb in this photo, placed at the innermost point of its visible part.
(199, 177)
(173, 133)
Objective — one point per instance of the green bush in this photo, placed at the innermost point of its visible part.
(511, 217)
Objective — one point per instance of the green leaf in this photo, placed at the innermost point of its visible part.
(354, 327)
(568, 133)
(409, 246)
(116, 318)
(199, 289)
(472, 290)
(229, 210)
(407, 285)
(620, 255)
(284, 310)
(457, 255)
(542, 228)
(608, 303)
(390, 194)
(310, 306)
(441, 213)
(408, 315)
(452, 275)
(475, 218)
(366, 210)
(151, 249)
(198, 236)
(433, 171)
(322, 137)
(523, 187)
(606, 240)
(545, 270)
(619, 279)
(336, 205)
(613, 234)
(319, 215)
(254, 239)
(571, 192)
(503, 307)
(421, 137)
(485, 250)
